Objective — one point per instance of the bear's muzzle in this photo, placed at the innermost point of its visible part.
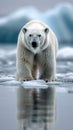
(34, 44)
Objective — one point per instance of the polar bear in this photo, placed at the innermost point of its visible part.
(36, 50)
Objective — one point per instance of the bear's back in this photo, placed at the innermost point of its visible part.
(36, 24)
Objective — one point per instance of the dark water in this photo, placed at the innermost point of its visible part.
(46, 109)
(43, 108)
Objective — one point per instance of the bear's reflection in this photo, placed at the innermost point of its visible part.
(35, 108)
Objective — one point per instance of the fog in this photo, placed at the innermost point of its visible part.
(8, 6)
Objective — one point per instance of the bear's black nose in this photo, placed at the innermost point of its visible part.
(34, 44)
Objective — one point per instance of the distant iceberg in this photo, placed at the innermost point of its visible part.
(60, 19)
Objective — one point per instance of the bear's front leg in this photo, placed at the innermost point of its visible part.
(24, 72)
(48, 68)
(24, 67)
(47, 73)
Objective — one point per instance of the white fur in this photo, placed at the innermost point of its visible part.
(44, 55)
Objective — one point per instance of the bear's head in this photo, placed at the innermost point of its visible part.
(35, 39)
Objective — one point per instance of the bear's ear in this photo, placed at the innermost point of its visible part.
(46, 30)
(24, 30)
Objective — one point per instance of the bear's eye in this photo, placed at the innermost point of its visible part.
(30, 35)
(39, 35)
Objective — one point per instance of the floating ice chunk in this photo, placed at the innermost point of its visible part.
(60, 19)
(34, 84)
(65, 53)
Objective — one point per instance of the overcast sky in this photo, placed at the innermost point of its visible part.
(8, 6)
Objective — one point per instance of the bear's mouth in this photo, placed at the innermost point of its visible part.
(34, 44)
